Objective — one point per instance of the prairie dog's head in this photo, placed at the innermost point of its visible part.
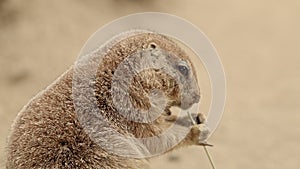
(149, 72)
(164, 75)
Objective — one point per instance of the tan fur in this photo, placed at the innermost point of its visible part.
(48, 134)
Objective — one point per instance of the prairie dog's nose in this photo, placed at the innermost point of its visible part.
(196, 97)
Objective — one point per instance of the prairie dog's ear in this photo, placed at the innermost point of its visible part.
(152, 45)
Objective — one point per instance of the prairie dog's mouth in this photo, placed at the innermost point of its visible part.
(175, 104)
(174, 107)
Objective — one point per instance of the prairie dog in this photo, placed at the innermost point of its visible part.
(48, 133)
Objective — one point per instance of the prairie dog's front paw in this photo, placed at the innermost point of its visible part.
(200, 131)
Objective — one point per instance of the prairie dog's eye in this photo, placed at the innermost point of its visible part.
(183, 69)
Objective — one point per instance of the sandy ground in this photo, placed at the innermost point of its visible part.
(258, 42)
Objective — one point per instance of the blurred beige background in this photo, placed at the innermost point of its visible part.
(258, 42)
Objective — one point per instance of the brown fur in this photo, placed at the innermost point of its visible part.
(48, 134)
